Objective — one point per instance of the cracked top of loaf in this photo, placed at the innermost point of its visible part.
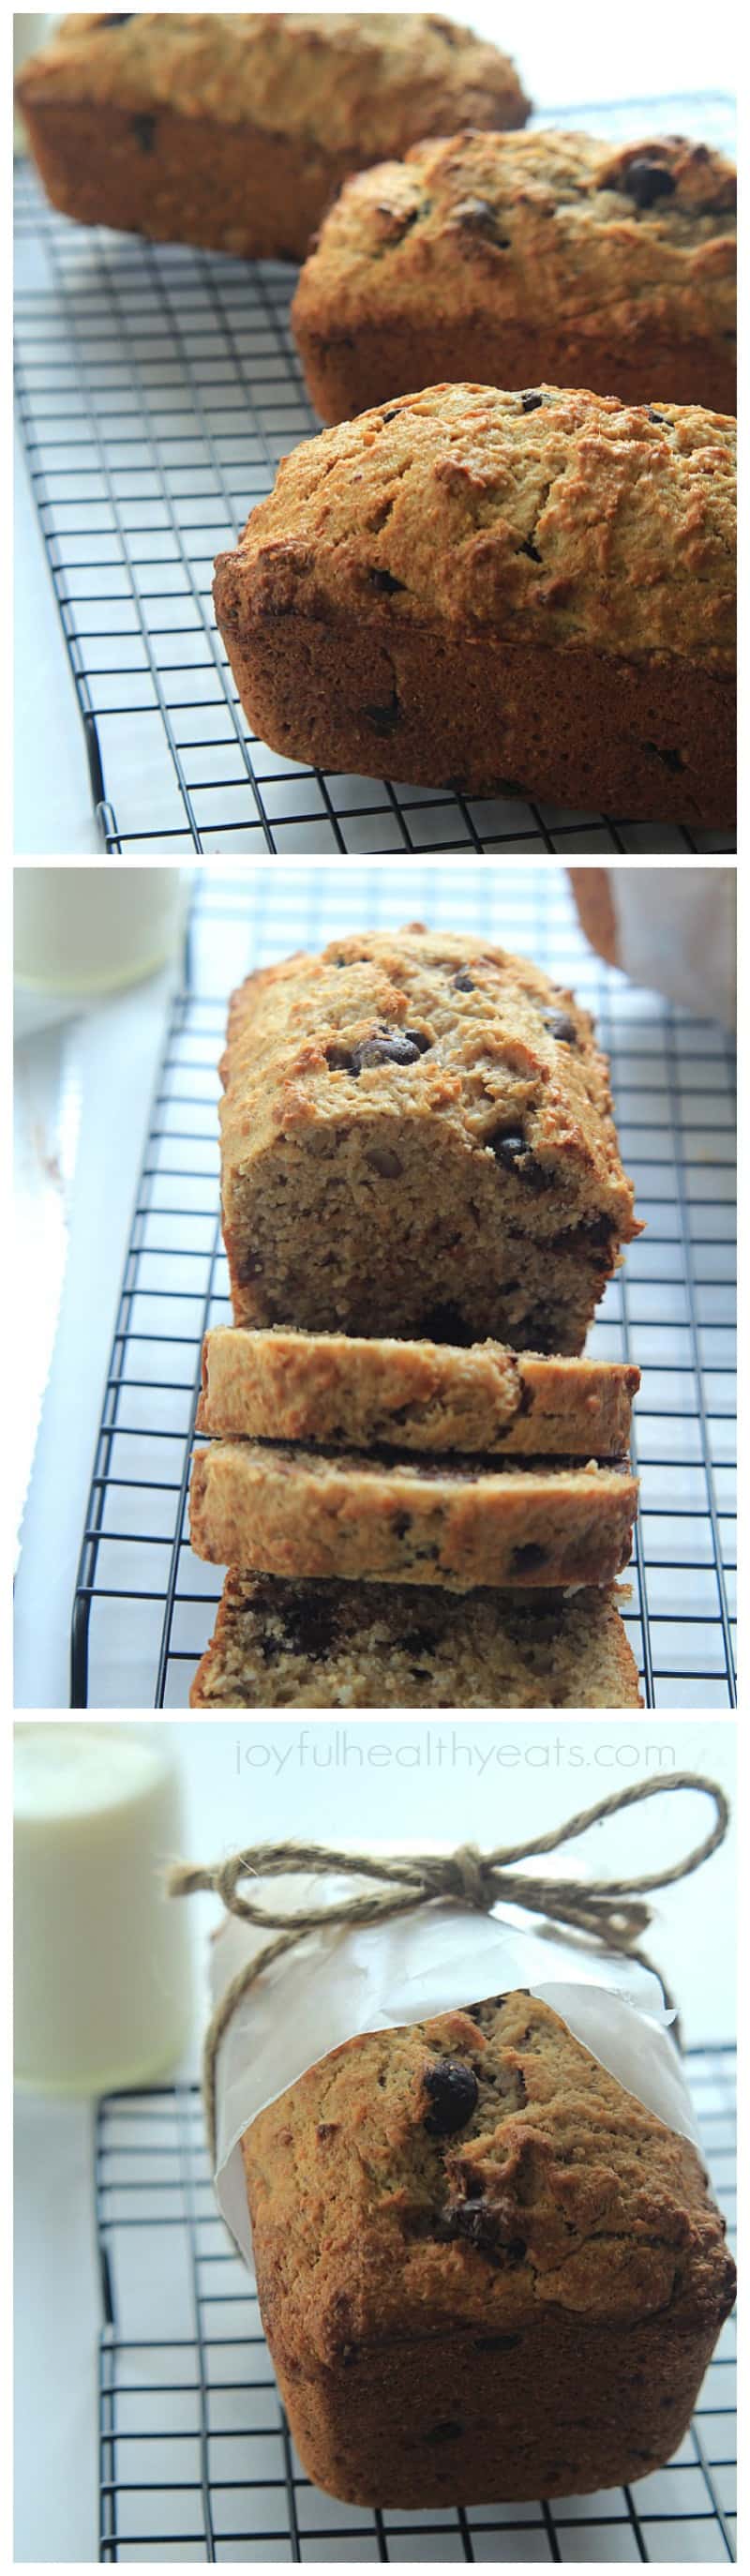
(418, 1024)
(341, 81)
(480, 2167)
(555, 228)
(550, 517)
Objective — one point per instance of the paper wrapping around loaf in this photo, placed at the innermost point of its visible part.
(486, 2271)
(340, 1983)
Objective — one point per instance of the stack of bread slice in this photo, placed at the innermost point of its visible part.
(422, 1491)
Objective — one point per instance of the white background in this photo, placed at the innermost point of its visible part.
(488, 1781)
(585, 50)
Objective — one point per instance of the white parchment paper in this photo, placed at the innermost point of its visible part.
(345, 1981)
(677, 932)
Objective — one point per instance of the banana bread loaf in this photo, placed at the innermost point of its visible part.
(389, 1645)
(483, 590)
(277, 1508)
(235, 130)
(417, 1132)
(338, 1388)
(486, 2272)
(510, 258)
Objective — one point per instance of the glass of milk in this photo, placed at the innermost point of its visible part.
(84, 931)
(103, 1957)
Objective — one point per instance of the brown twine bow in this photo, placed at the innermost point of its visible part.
(604, 1912)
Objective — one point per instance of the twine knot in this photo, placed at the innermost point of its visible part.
(607, 1914)
(468, 1877)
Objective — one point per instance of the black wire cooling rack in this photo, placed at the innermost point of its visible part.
(157, 388)
(196, 2459)
(144, 1606)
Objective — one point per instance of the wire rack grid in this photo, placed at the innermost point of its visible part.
(144, 1606)
(157, 389)
(196, 2459)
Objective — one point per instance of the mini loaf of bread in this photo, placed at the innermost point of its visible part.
(235, 130)
(417, 1131)
(512, 258)
(486, 2272)
(337, 1388)
(487, 591)
(390, 1645)
(282, 1509)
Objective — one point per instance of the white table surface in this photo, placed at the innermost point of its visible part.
(127, 1030)
(270, 1779)
(53, 810)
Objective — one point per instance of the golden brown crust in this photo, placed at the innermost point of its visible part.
(345, 1645)
(515, 257)
(121, 110)
(557, 2221)
(417, 1128)
(339, 77)
(338, 1388)
(580, 522)
(283, 1509)
(464, 592)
